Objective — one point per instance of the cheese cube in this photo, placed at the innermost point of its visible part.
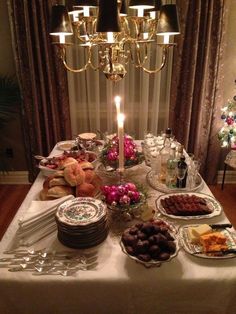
(191, 236)
(201, 230)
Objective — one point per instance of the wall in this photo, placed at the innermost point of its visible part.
(11, 135)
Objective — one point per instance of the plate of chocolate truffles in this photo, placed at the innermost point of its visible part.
(150, 243)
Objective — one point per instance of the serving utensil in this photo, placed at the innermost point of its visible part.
(224, 252)
(221, 226)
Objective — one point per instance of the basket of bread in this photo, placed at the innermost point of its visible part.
(73, 177)
(51, 165)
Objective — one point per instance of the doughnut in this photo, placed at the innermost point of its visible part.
(85, 189)
(74, 174)
(89, 175)
(57, 181)
(59, 191)
(96, 181)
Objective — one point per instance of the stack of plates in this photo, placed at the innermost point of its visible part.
(82, 222)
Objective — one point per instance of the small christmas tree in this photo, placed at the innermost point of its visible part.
(227, 134)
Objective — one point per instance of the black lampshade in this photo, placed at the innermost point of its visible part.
(60, 21)
(123, 8)
(145, 4)
(158, 4)
(86, 3)
(168, 22)
(108, 18)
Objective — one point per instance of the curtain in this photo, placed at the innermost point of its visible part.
(42, 78)
(196, 88)
(144, 97)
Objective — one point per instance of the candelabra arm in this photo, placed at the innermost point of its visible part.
(163, 62)
(63, 57)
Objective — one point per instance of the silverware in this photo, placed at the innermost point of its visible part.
(224, 252)
(220, 226)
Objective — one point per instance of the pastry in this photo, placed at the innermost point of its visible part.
(74, 174)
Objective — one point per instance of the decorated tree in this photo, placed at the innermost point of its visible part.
(227, 134)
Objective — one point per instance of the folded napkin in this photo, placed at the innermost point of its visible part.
(39, 221)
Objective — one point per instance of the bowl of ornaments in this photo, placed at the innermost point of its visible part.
(110, 154)
(126, 199)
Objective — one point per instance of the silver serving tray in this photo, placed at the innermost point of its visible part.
(159, 186)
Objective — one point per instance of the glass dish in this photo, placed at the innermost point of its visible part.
(155, 263)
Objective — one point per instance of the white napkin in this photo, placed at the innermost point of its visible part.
(39, 221)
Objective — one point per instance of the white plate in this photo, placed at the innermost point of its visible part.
(212, 203)
(159, 186)
(192, 248)
(81, 211)
(156, 263)
(65, 145)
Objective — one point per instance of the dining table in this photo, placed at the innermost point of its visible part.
(187, 284)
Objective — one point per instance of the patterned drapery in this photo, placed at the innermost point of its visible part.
(196, 95)
(42, 78)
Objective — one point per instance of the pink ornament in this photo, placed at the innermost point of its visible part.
(113, 188)
(121, 190)
(230, 120)
(129, 152)
(130, 186)
(136, 197)
(105, 189)
(112, 197)
(112, 155)
(124, 200)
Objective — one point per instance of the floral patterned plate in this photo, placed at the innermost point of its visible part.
(195, 248)
(213, 205)
(81, 211)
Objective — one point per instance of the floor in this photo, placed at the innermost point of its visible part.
(11, 197)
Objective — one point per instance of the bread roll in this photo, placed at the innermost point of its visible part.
(89, 175)
(74, 174)
(67, 162)
(59, 191)
(57, 181)
(86, 165)
(85, 189)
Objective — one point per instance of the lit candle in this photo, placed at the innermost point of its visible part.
(120, 122)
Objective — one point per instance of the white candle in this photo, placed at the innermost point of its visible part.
(120, 122)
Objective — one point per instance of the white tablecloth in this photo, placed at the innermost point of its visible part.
(186, 284)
